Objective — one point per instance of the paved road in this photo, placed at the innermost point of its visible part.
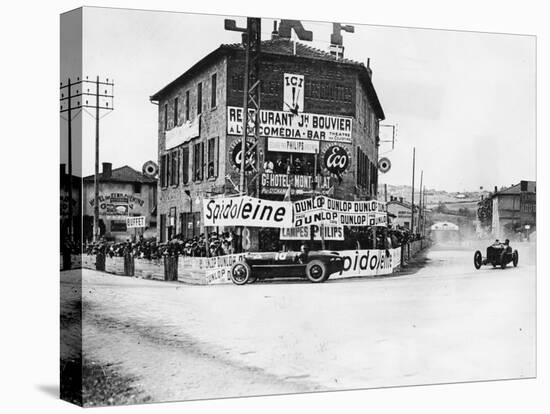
(444, 323)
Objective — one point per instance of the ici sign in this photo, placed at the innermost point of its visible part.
(336, 159)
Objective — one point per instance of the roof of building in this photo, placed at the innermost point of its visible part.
(125, 174)
(516, 189)
(282, 47)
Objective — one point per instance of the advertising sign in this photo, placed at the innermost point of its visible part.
(114, 210)
(217, 268)
(181, 134)
(329, 232)
(135, 222)
(235, 153)
(301, 146)
(336, 159)
(341, 212)
(368, 263)
(293, 93)
(299, 184)
(281, 124)
(247, 211)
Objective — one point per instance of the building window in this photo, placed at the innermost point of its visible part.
(198, 161)
(118, 225)
(164, 170)
(162, 228)
(199, 98)
(165, 117)
(185, 164)
(174, 168)
(137, 188)
(187, 106)
(213, 101)
(176, 108)
(213, 151)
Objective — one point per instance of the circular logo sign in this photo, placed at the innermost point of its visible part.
(384, 165)
(150, 169)
(236, 154)
(336, 159)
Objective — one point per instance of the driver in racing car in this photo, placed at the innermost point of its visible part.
(507, 245)
(302, 256)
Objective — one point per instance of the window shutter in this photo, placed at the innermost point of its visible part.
(217, 156)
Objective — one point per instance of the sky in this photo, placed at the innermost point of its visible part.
(464, 100)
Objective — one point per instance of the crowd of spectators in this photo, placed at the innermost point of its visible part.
(142, 248)
(228, 243)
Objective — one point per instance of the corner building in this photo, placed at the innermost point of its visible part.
(316, 111)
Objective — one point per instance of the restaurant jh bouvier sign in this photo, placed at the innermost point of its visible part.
(281, 124)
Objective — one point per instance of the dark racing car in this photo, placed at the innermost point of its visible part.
(498, 254)
(316, 266)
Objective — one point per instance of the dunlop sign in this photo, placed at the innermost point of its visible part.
(247, 211)
(340, 212)
(283, 124)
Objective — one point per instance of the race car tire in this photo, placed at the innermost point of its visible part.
(477, 259)
(515, 258)
(316, 271)
(241, 273)
(252, 279)
(503, 262)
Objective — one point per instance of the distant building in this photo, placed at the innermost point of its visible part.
(76, 203)
(444, 231)
(123, 192)
(514, 209)
(400, 211)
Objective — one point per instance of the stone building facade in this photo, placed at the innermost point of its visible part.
(123, 192)
(514, 210)
(316, 111)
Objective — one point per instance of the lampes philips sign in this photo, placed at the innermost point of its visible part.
(285, 124)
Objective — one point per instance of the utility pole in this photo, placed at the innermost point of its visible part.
(103, 100)
(96, 171)
(69, 179)
(420, 203)
(251, 38)
(412, 199)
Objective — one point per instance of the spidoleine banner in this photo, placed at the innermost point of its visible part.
(247, 211)
(255, 212)
(357, 263)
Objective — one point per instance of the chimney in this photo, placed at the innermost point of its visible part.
(107, 170)
(496, 189)
(523, 185)
(274, 33)
(401, 199)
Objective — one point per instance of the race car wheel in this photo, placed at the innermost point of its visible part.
(240, 273)
(477, 259)
(515, 258)
(503, 262)
(316, 271)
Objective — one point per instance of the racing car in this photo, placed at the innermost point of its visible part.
(316, 266)
(498, 254)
